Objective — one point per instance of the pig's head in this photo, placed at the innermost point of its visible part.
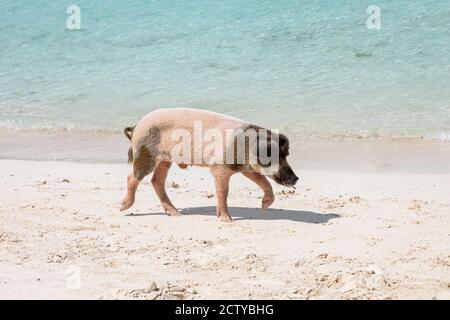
(271, 153)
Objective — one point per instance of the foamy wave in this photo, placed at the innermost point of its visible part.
(443, 136)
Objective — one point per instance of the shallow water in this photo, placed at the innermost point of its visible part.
(309, 67)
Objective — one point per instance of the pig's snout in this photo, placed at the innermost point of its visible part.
(291, 181)
(286, 177)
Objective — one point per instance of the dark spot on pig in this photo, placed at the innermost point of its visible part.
(235, 167)
(130, 155)
(147, 152)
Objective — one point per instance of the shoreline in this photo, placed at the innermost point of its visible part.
(436, 137)
(367, 154)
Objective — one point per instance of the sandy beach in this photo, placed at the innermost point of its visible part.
(356, 97)
(342, 234)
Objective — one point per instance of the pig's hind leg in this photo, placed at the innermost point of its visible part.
(158, 182)
(143, 165)
(132, 184)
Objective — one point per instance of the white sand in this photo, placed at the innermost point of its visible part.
(341, 235)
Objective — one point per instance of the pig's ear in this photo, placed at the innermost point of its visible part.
(254, 150)
(260, 145)
(263, 150)
(283, 142)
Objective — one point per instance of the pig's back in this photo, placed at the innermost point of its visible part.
(167, 120)
(185, 117)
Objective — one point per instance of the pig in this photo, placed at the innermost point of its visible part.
(155, 137)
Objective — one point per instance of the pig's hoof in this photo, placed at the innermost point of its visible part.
(174, 214)
(226, 219)
(126, 204)
(267, 201)
(171, 211)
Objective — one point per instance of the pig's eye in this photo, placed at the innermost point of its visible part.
(283, 142)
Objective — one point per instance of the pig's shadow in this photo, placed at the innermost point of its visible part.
(241, 213)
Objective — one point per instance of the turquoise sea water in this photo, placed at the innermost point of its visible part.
(311, 67)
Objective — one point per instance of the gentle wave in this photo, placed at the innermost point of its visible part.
(438, 136)
(94, 133)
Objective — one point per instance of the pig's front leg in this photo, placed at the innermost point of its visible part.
(222, 177)
(264, 184)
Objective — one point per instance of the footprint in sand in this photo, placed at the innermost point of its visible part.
(417, 205)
